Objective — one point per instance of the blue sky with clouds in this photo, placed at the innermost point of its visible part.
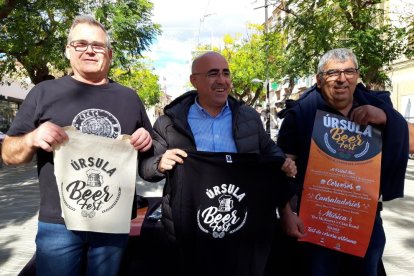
(185, 23)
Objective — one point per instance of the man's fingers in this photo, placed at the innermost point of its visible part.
(174, 157)
(299, 230)
(147, 147)
(143, 144)
(141, 140)
(166, 164)
(45, 146)
(170, 158)
(140, 137)
(289, 167)
(178, 152)
(47, 135)
(366, 114)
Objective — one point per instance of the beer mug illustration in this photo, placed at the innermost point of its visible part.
(226, 203)
(95, 179)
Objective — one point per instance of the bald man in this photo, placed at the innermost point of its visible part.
(207, 119)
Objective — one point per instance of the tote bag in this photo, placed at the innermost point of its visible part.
(96, 181)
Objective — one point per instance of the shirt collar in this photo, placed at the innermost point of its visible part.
(201, 109)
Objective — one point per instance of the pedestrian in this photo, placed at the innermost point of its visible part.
(94, 104)
(207, 119)
(337, 91)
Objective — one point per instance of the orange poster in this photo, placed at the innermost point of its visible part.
(341, 187)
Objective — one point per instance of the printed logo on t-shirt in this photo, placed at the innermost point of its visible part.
(98, 122)
(223, 212)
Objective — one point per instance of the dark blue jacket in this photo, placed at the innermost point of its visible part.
(394, 135)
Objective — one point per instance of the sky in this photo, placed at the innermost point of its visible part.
(185, 23)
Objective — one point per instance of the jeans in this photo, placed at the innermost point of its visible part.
(321, 261)
(64, 252)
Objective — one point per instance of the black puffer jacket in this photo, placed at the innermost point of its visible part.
(173, 131)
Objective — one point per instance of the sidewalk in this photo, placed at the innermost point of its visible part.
(398, 219)
(19, 205)
(19, 200)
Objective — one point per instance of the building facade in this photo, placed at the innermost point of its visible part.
(12, 94)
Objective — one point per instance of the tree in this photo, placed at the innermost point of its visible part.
(313, 27)
(255, 57)
(407, 17)
(142, 79)
(33, 33)
(247, 60)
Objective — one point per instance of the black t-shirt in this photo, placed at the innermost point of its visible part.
(224, 211)
(106, 110)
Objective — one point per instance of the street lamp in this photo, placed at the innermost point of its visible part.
(266, 82)
(202, 19)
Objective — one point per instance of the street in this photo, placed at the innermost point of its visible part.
(19, 199)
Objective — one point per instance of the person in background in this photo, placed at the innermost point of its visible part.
(94, 104)
(337, 91)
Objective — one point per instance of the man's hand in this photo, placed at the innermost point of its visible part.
(411, 137)
(170, 158)
(46, 136)
(289, 167)
(366, 114)
(291, 223)
(141, 140)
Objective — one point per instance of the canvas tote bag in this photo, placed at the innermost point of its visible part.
(96, 181)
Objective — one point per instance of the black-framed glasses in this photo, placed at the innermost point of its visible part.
(215, 74)
(336, 73)
(82, 46)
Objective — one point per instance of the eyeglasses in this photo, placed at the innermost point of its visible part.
(335, 73)
(215, 74)
(82, 46)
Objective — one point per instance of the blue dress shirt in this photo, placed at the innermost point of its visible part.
(212, 134)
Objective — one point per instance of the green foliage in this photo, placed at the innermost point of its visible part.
(253, 57)
(410, 37)
(309, 29)
(33, 33)
(131, 28)
(314, 27)
(248, 60)
(140, 78)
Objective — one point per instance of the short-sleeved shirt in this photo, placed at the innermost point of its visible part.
(107, 110)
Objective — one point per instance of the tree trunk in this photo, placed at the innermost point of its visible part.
(39, 73)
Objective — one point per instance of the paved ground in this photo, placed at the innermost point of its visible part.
(398, 218)
(19, 205)
(19, 199)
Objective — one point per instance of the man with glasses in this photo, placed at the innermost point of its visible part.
(337, 91)
(94, 104)
(208, 120)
